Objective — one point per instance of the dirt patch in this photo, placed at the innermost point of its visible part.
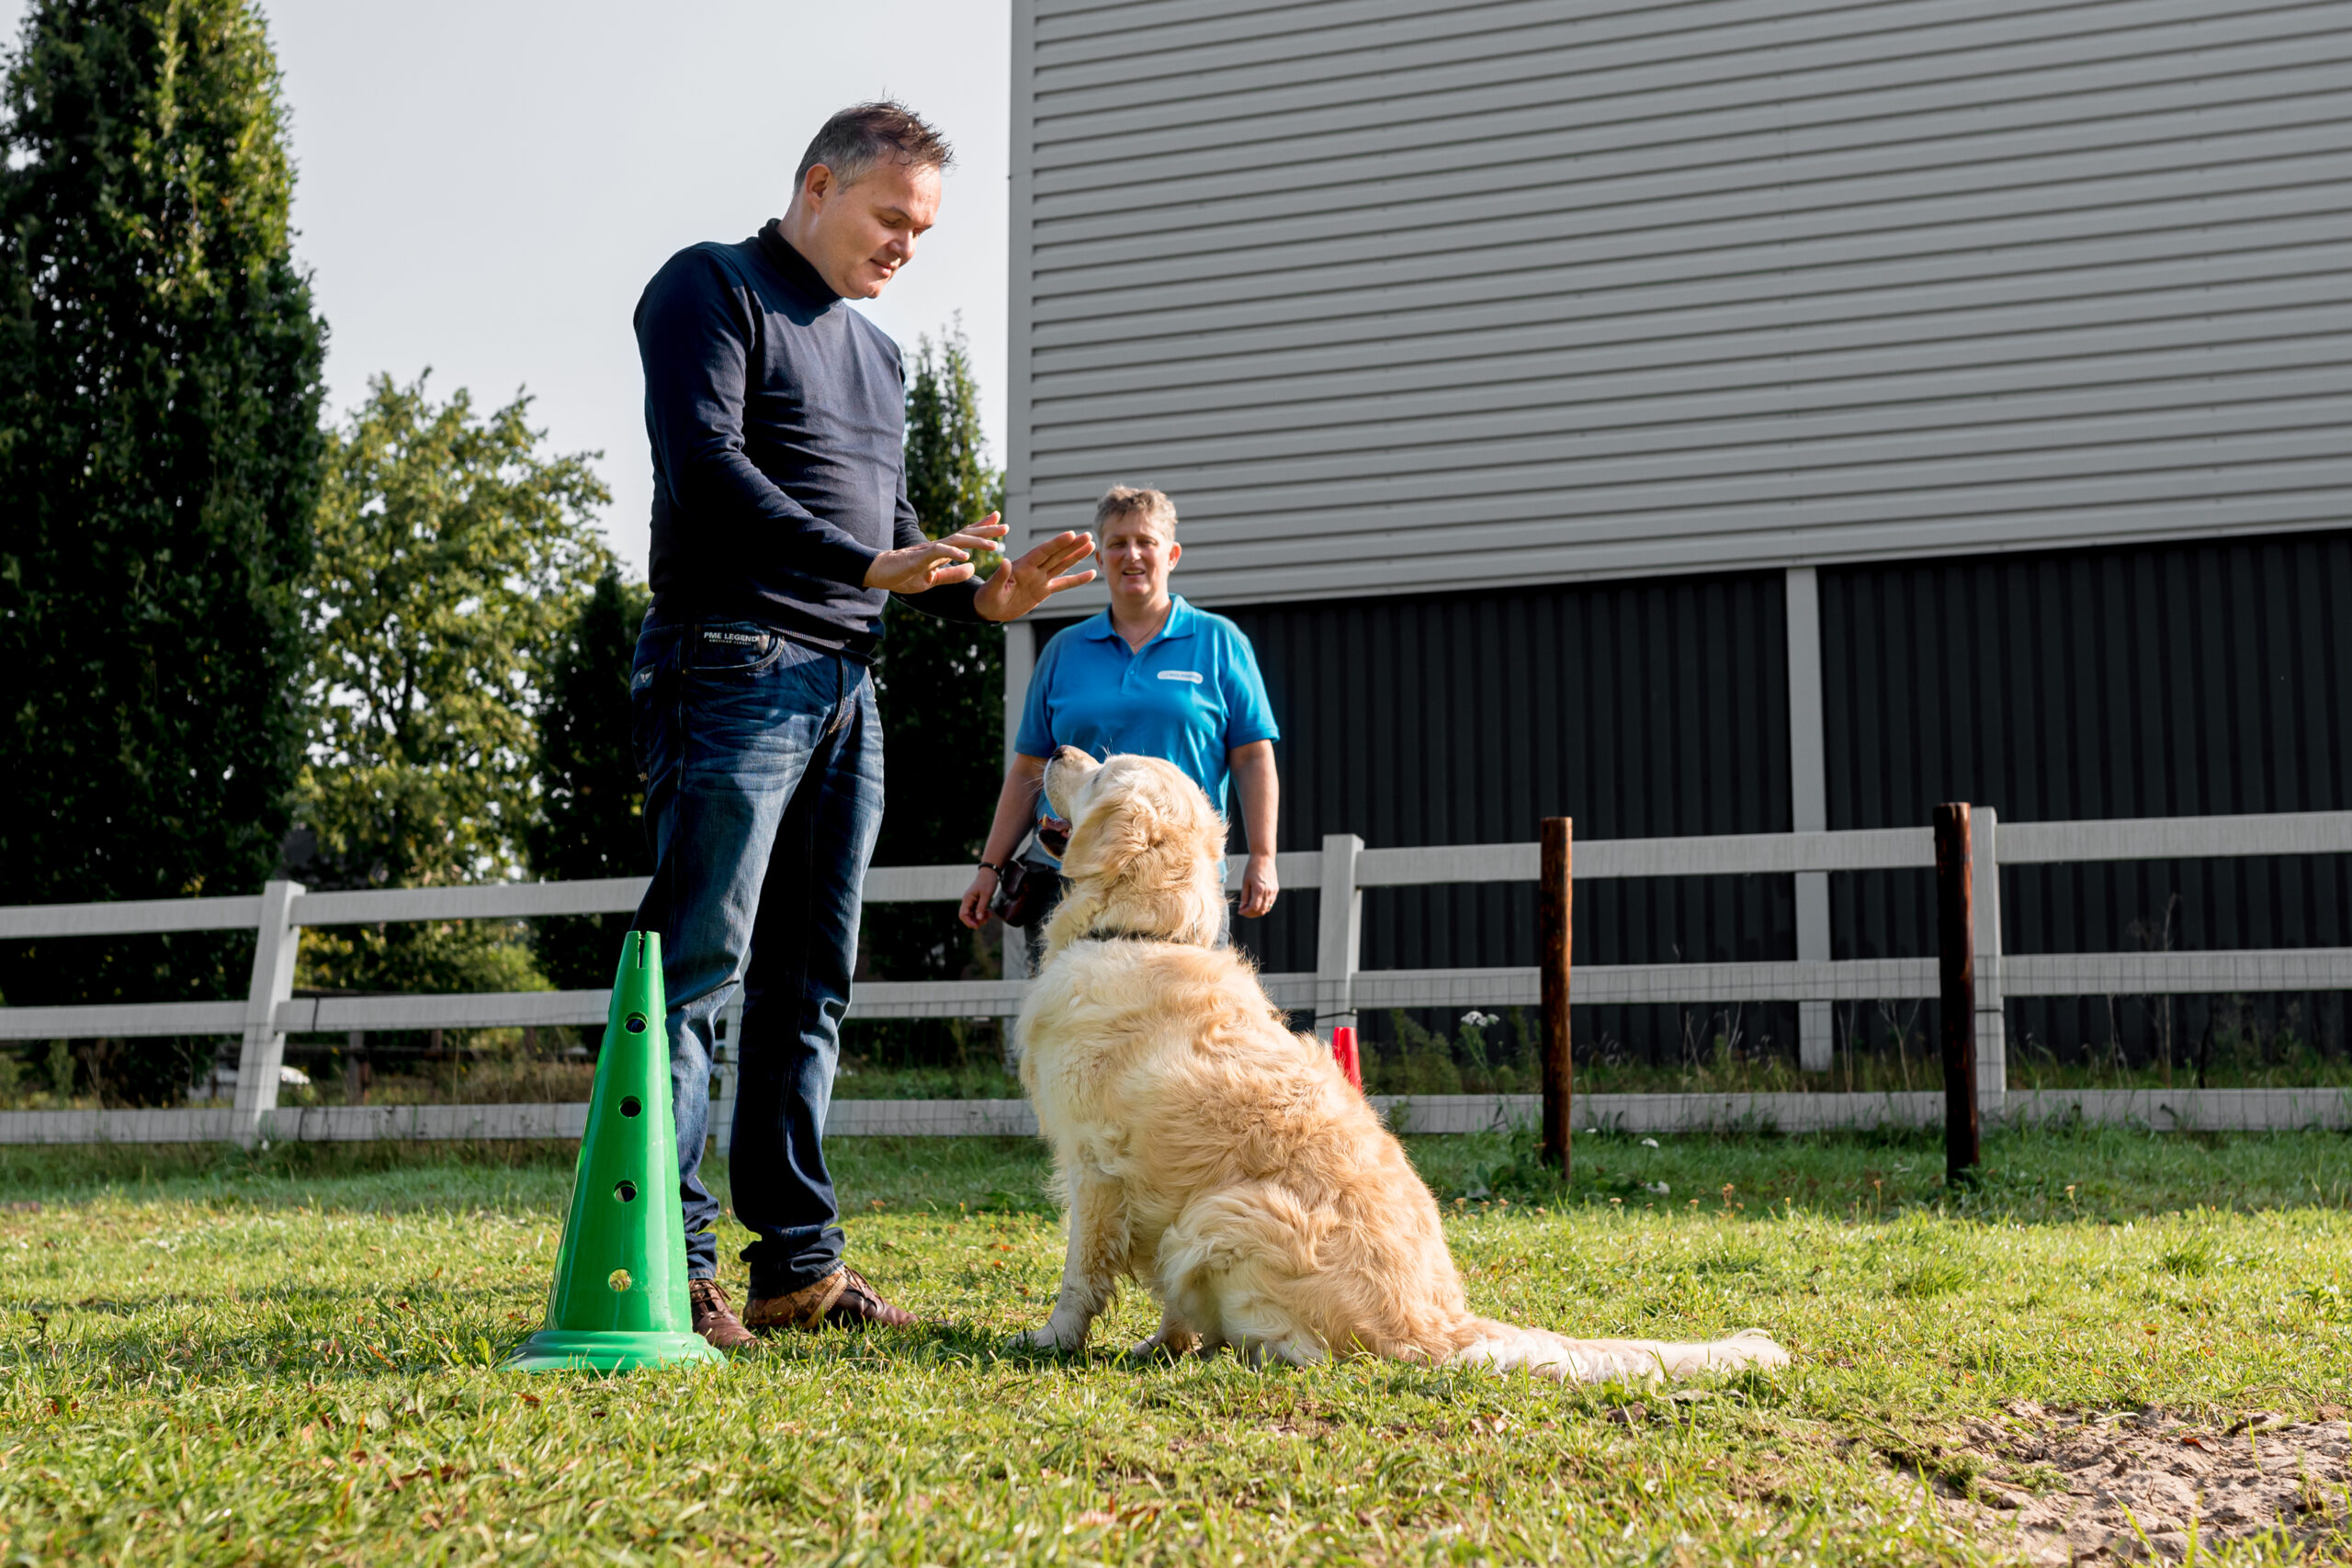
(2134, 1487)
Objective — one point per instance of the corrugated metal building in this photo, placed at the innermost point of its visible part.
(1735, 415)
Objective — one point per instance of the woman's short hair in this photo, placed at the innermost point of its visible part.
(1125, 501)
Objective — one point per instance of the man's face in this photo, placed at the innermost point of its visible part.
(1138, 555)
(858, 236)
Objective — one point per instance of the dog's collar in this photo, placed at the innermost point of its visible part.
(1098, 935)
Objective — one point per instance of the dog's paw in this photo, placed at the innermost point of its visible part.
(1044, 1338)
(1162, 1347)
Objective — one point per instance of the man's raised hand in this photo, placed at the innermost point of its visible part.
(1020, 586)
(934, 562)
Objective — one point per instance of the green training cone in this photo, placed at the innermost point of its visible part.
(619, 1301)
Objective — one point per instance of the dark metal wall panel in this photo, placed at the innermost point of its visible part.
(2182, 680)
(2158, 680)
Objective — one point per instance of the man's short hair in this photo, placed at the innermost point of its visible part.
(1124, 501)
(863, 135)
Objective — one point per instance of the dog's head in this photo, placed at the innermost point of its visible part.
(1145, 848)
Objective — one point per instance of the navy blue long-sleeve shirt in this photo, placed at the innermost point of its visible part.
(778, 415)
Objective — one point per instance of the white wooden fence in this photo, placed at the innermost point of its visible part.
(1337, 990)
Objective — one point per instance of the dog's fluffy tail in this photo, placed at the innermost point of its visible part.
(1508, 1347)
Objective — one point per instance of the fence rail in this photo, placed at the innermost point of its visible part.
(2210, 1109)
(1336, 991)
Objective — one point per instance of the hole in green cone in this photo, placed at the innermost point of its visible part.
(631, 1105)
(625, 1190)
(635, 1024)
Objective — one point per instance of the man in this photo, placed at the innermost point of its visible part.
(780, 527)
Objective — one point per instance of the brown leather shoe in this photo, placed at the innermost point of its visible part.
(714, 1319)
(841, 1300)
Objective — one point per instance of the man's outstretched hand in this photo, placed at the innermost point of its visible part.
(1020, 586)
(933, 563)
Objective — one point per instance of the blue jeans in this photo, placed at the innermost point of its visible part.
(762, 762)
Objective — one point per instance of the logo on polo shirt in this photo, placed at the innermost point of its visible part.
(1192, 675)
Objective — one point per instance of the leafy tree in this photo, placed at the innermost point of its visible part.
(452, 558)
(159, 461)
(591, 820)
(941, 685)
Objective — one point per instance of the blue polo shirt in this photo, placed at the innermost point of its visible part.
(1191, 695)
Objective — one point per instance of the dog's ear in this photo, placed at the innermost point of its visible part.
(1113, 837)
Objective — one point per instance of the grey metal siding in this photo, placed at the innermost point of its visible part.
(1395, 299)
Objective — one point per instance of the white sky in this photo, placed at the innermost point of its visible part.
(485, 186)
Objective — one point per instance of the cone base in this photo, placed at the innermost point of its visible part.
(606, 1351)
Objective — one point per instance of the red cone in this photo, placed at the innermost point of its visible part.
(1343, 1051)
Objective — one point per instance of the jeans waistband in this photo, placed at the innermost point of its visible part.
(657, 625)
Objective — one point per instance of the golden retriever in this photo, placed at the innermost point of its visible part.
(1207, 1151)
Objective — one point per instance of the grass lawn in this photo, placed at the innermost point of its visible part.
(209, 1357)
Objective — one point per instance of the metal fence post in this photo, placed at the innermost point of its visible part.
(1956, 968)
(277, 942)
(1992, 1014)
(1339, 935)
(1556, 932)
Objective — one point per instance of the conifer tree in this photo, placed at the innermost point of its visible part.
(941, 685)
(591, 804)
(160, 456)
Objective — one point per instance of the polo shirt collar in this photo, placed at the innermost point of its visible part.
(1182, 621)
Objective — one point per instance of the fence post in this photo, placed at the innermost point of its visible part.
(1991, 1016)
(1809, 807)
(1339, 935)
(1956, 967)
(1556, 910)
(275, 942)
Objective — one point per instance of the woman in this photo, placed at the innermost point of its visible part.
(1153, 675)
